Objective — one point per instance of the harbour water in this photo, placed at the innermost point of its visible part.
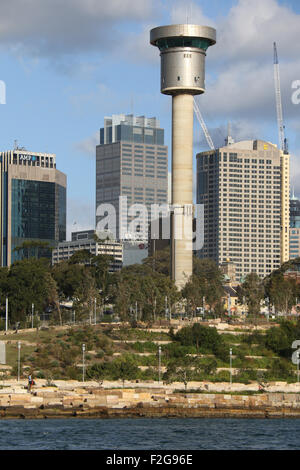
(154, 434)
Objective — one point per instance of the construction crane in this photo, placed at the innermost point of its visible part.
(203, 125)
(282, 140)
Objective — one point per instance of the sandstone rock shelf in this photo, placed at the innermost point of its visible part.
(91, 400)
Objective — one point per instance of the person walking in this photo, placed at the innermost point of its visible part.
(30, 382)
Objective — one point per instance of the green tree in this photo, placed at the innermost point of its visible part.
(138, 285)
(252, 290)
(124, 368)
(282, 292)
(81, 257)
(206, 282)
(182, 374)
(69, 278)
(27, 283)
(206, 339)
(280, 339)
(33, 249)
(160, 261)
(84, 297)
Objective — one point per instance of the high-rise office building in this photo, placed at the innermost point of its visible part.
(132, 163)
(294, 227)
(244, 187)
(33, 202)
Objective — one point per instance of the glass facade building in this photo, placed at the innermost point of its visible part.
(33, 204)
(294, 228)
(294, 213)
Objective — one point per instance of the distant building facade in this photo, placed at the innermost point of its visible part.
(244, 187)
(132, 163)
(86, 240)
(293, 273)
(228, 269)
(33, 202)
(294, 228)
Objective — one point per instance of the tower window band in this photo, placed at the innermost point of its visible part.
(199, 43)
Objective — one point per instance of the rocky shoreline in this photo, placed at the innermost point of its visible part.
(92, 400)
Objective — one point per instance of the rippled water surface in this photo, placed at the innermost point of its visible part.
(169, 434)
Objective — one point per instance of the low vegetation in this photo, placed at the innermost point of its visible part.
(194, 353)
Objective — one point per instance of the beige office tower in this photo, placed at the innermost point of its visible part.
(244, 187)
(182, 51)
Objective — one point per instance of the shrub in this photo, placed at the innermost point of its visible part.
(73, 373)
(279, 369)
(40, 374)
(100, 354)
(206, 340)
(222, 376)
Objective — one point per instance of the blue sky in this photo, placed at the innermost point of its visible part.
(67, 64)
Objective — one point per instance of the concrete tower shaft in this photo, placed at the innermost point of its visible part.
(182, 51)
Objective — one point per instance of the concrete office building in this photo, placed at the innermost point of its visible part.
(182, 51)
(33, 202)
(85, 240)
(132, 163)
(244, 187)
(294, 227)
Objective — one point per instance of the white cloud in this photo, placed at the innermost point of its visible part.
(136, 47)
(240, 130)
(87, 146)
(188, 12)
(55, 28)
(251, 27)
(247, 90)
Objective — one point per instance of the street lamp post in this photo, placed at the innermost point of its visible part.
(298, 357)
(83, 365)
(268, 311)
(6, 314)
(230, 359)
(166, 307)
(19, 359)
(159, 363)
(229, 305)
(95, 311)
(32, 314)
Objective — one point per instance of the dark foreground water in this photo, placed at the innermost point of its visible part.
(154, 434)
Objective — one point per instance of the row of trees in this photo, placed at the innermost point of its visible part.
(35, 281)
(275, 290)
(143, 291)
